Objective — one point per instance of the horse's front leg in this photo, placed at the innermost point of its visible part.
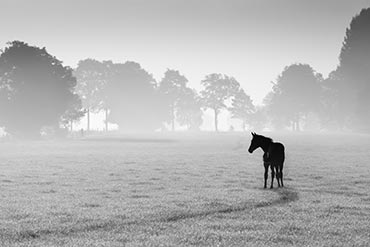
(272, 176)
(266, 173)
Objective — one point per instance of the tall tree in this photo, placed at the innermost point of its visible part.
(172, 86)
(242, 107)
(35, 89)
(295, 93)
(134, 99)
(217, 89)
(353, 72)
(338, 103)
(189, 111)
(91, 79)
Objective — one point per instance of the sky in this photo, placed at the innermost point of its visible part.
(251, 40)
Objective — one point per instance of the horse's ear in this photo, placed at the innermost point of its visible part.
(253, 134)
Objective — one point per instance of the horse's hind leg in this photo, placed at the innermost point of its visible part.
(278, 175)
(281, 175)
(266, 173)
(272, 176)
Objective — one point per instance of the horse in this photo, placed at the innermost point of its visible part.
(274, 156)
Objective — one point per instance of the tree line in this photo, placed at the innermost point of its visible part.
(38, 93)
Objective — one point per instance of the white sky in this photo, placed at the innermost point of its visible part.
(252, 40)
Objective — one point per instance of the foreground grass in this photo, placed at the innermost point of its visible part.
(183, 191)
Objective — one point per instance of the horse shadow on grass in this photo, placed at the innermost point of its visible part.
(286, 195)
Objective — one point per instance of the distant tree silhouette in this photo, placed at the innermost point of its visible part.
(217, 89)
(338, 101)
(74, 112)
(295, 93)
(353, 72)
(242, 107)
(91, 79)
(189, 111)
(134, 99)
(35, 89)
(258, 119)
(278, 114)
(172, 87)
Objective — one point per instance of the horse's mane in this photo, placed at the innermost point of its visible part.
(267, 139)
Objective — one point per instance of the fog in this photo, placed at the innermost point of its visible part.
(141, 67)
(178, 66)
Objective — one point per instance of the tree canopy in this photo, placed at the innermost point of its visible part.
(242, 107)
(352, 77)
(172, 87)
(133, 98)
(91, 78)
(295, 93)
(189, 111)
(35, 89)
(217, 89)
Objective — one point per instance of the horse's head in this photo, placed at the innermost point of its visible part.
(255, 142)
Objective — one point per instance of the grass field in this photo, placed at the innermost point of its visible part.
(180, 190)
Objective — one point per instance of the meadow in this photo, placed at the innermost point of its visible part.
(182, 190)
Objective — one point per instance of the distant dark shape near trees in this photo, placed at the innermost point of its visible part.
(36, 90)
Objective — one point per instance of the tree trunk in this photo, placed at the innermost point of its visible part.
(216, 120)
(88, 119)
(106, 119)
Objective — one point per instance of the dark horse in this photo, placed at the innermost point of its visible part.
(273, 156)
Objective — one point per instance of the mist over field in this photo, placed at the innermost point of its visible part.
(184, 123)
(181, 191)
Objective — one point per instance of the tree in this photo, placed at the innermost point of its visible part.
(189, 111)
(172, 86)
(35, 89)
(217, 89)
(295, 93)
(91, 79)
(241, 107)
(338, 101)
(73, 113)
(353, 71)
(257, 119)
(134, 99)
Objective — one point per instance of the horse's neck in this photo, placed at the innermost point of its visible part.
(266, 146)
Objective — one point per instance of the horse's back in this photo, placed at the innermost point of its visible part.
(278, 152)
